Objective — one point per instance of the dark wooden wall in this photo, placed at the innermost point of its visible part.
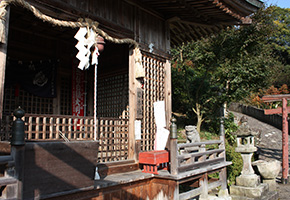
(51, 168)
(145, 189)
(119, 18)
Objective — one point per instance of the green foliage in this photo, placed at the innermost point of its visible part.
(280, 40)
(230, 128)
(181, 134)
(205, 135)
(235, 168)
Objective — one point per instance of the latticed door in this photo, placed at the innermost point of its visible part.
(154, 86)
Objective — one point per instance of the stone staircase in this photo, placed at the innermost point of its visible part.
(8, 182)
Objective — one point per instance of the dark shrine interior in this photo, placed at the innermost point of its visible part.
(31, 39)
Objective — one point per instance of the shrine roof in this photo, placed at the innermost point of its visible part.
(193, 19)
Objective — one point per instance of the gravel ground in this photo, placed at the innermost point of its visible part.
(269, 145)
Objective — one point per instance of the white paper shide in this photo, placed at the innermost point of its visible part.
(86, 39)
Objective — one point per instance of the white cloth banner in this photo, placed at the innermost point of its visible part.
(159, 114)
(162, 133)
(137, 130)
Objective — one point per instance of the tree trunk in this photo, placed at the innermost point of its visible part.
(199, 115)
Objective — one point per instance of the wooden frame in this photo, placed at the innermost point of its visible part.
(3, 55)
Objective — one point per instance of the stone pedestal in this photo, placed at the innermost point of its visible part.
(251, 180)
(272, 184)
(250, 192)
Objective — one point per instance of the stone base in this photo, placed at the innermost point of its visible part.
(268, 196)
(272, 184)
(252, 180)
(211, 197)
(223, 193)
(251, 192)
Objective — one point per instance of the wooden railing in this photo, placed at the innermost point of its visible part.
(55, 127)
(197, 161)
(112, 133)
(195, 156)
(208, 153)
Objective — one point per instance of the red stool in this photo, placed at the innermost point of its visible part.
(154, 160)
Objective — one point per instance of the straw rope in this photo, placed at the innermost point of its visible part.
(81, 23)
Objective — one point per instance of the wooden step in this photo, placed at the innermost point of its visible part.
(7, 180)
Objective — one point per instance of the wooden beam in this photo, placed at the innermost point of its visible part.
(274, 111)
(132, 104)
(3, 55)
(199, 164)
(209, 142)
(190, 194)
(198, 154)
(66, 11)
(271, 98)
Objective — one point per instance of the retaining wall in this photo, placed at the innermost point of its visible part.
(274, 120)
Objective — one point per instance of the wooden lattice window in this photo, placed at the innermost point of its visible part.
(112, 95)
(65, 96)
(30, 103)
(113, 138)
(154, 83)
(9, 102)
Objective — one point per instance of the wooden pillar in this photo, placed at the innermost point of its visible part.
(3, 55)
(168, 102)
(203, 182)
(223, 173)
(285, 153)
(132, 104)
(173, 156)
(168, 91)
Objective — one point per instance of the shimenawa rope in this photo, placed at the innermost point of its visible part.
(81, 23)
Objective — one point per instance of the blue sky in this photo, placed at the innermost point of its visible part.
(280, 3)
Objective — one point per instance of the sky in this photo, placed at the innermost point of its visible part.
(280, 3)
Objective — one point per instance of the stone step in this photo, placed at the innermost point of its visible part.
(7, 180)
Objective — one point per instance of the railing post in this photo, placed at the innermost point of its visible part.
(17, 149)
(223, 192)
(173, 148)
(223, 173)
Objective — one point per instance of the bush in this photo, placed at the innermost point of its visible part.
(236, 167)
(230, 128)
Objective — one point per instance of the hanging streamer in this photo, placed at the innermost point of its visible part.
(95, 102)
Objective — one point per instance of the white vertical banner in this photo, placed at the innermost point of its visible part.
(137, 129)
(159, 114)
(162, 133)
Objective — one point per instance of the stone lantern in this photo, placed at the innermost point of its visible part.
(246, 146)
(248, 184)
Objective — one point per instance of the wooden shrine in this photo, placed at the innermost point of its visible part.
(79, 111)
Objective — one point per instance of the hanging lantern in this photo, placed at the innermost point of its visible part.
(100, 43)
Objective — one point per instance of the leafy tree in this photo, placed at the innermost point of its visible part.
(280, 41)
(233, 63)
(191, 74)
